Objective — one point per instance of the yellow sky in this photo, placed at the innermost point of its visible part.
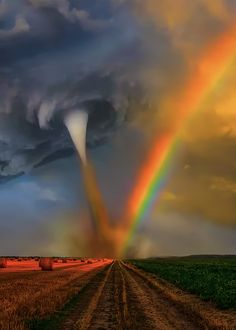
(203, 180)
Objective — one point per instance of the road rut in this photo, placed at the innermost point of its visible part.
(123, 297)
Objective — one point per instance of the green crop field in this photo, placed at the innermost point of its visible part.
(211, 278)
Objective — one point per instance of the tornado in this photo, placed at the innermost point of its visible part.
(76, 122)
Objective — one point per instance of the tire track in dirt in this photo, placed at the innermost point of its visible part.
(149, 308)
(102, 304)
(112, 311)
(83, 311)
(203, 314)
(122, 297)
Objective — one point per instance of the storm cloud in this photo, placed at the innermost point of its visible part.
(57, 55)
(135, 58)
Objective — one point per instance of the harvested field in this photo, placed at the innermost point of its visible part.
(29, 293)
(33, 265)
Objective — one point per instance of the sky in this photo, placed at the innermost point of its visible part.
(127, 62)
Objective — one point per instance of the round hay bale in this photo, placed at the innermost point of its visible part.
(46, 263)
(3, 262)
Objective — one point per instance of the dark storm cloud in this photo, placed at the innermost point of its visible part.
(55, 55)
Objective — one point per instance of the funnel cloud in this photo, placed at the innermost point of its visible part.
(76, 123)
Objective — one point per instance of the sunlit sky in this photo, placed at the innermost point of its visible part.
(139, 56)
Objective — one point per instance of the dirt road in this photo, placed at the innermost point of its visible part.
(122, 297)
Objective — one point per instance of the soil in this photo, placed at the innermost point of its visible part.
(123, 297)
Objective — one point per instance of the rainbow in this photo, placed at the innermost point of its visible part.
(210, 71)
